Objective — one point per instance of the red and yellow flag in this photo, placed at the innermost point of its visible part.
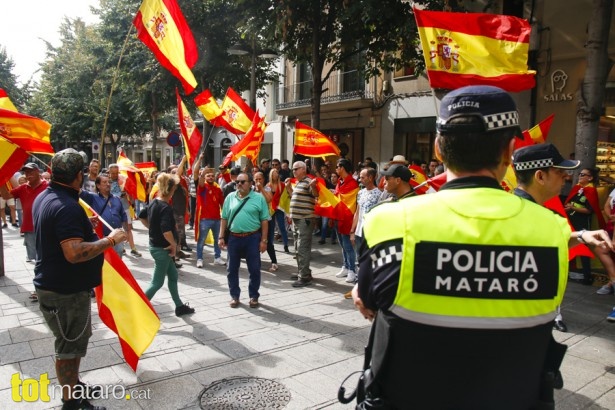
(475, 49)
(161, 26)
(313, 143)
(11, 156)
(5, 101)
(30, 133)
(537, 134)
(208, 106)
(190, 133)
(135, 185)
(250, 145)
(148, 167)
(237, 115)
(123, 306)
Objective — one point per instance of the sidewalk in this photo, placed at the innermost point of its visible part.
(293, 351)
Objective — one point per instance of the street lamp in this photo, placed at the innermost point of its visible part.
(242, 50)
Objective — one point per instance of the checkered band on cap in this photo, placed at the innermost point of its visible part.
(502, 120)
(537, 164)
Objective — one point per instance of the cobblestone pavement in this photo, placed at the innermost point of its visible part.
(308, 339)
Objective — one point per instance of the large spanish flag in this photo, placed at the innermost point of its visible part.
(237, 115)
(123, 306)
(190, 133)
(135, 185)
(475, 48)
(30, 133)
(161, 26)
(313, 143)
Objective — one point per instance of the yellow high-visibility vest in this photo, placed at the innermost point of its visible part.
(473, 258)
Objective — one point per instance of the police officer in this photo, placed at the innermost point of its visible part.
(465, 282)
(541, 172)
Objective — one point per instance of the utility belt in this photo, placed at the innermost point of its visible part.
(244, 234)
(367, 392)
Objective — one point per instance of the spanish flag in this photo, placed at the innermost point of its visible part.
(209, 106)
(190, 133)
(5, 101)
(537, 134)
(161, 26)
(475, 49)
(11, 156)
(147, 167)
(237, 115)
(313, 143)
(30, 133)
(123, 306)
(135, 185)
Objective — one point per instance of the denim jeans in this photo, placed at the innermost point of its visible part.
(247, 247)
(29, 240)
(278, 217)
(204, 226)
(270, 238)
(350, 257)
(163, 266)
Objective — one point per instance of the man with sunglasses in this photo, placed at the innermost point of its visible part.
(248, 214)
(302, 202)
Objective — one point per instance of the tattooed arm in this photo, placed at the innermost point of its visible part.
(76, 250)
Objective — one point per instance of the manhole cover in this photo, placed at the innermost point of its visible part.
(245, 393)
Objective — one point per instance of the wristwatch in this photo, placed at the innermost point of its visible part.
(580, 235)
(264, 241)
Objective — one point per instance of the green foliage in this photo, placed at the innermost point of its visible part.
(8, 80)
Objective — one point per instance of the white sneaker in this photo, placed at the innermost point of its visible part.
(352, 277)
(343, 273)
(219, 261)
(199, 263)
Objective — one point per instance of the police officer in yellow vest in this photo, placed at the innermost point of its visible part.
(465, 282)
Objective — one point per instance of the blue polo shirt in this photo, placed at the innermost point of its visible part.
(114, 213)
(58, 217)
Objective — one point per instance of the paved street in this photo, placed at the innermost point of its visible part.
(303, 341)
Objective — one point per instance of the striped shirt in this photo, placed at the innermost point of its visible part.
(302, 201)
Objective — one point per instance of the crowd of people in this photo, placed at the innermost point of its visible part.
(247, 211)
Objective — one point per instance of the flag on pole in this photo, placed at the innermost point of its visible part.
(190, 133)
(12, 157)
(123, 307)
(135, 185)
(237, 115)
(30, 133)
(148, 167)
(208, 106)
(475, 49)
(313, 143)
(537, 134)
(161, 26)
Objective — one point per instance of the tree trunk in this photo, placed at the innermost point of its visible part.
(317, 64)
(591, 94)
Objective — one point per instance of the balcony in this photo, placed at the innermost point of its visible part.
(346, 86)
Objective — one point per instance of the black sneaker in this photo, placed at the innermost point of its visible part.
(80, 404)
(286, 249)
(135, 252)
(183, 310)
(301, 282)
(321, 242)
(186, 248)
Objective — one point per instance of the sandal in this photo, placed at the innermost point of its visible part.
(33, 297)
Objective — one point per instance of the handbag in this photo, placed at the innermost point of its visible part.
(227, 231)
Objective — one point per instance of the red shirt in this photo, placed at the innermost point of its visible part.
(210, 200)
(26, 195)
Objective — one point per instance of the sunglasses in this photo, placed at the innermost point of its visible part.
(295, 169)
(584, 175)
(241, 182)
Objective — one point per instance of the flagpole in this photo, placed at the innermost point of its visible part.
(115, 74)
(85, 204)
(206, 141)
